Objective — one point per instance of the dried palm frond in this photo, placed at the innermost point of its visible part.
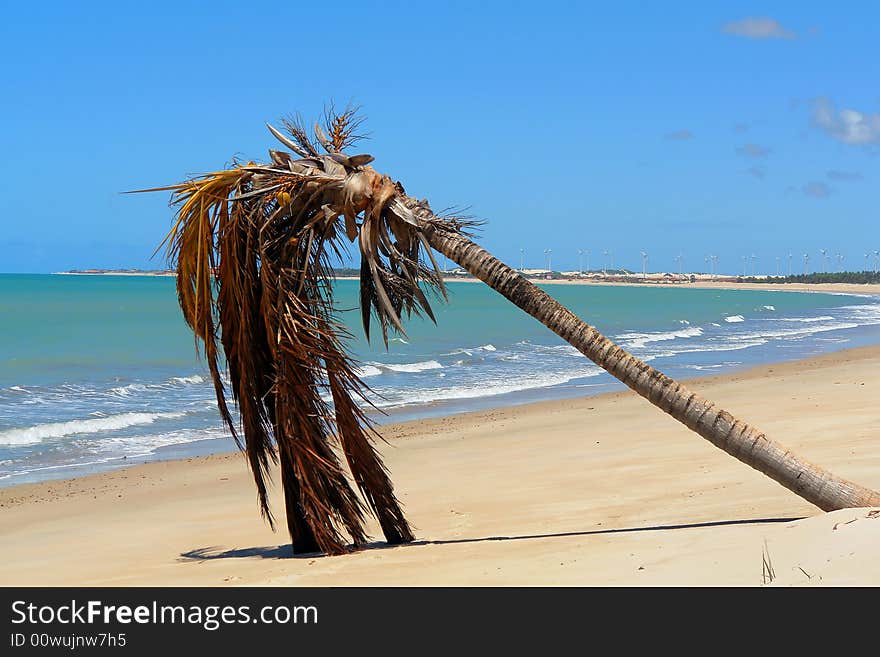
(252, 246)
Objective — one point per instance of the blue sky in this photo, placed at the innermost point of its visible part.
(689, 127)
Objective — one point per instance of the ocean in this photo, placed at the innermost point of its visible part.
(99, 372)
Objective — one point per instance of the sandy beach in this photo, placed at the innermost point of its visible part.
(828, 288)
(602, 490)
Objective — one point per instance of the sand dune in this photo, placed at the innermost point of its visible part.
(594, 491)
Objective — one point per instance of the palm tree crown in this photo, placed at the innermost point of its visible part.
(270, 232)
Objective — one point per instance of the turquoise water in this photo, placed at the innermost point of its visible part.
(98, 371)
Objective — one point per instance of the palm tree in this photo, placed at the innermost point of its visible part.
(267, 233)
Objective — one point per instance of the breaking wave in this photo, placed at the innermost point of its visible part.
(408, 367)
(40, 432)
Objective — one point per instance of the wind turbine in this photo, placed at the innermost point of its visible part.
(744, 258)
(680, 260)
(777, 266)
(840, 258)
(824, 253)
(587, 253)
(604, 269)
(876, 260)
(790, 256)
(580, 261)
(714, 266)
(806, 264)
(754, 257)
(644, 266)
(522, 257)
(548, 253)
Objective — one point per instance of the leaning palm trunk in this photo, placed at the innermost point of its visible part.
(252, 246)
(746, 443)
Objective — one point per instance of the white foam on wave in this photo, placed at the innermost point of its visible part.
(640, 340)
(367, 371)
(822, 318)
(786, 328)
(409, 367)
(469, 351)
(799, 332)
(173, 382)
(147, 443)
(553, 350)
(105, 450)
(40, 432)
(187, 380)
(705, 347)
(488, 388)
(865, 314)
(652, 346)
(769, 307)
(127, 391)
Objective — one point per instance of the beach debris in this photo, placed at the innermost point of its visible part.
(843, 522)
(768, 574)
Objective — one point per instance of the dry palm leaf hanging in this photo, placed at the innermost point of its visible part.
(253, 247)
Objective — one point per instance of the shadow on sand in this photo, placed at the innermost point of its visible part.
(285, 551)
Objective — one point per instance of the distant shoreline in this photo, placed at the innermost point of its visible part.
(114, 272)
(870, 289)
(839, 288)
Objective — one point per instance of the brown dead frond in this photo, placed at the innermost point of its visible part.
(252, 246)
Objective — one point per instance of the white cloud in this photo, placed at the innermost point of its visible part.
(758, 28)
(847, 125)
